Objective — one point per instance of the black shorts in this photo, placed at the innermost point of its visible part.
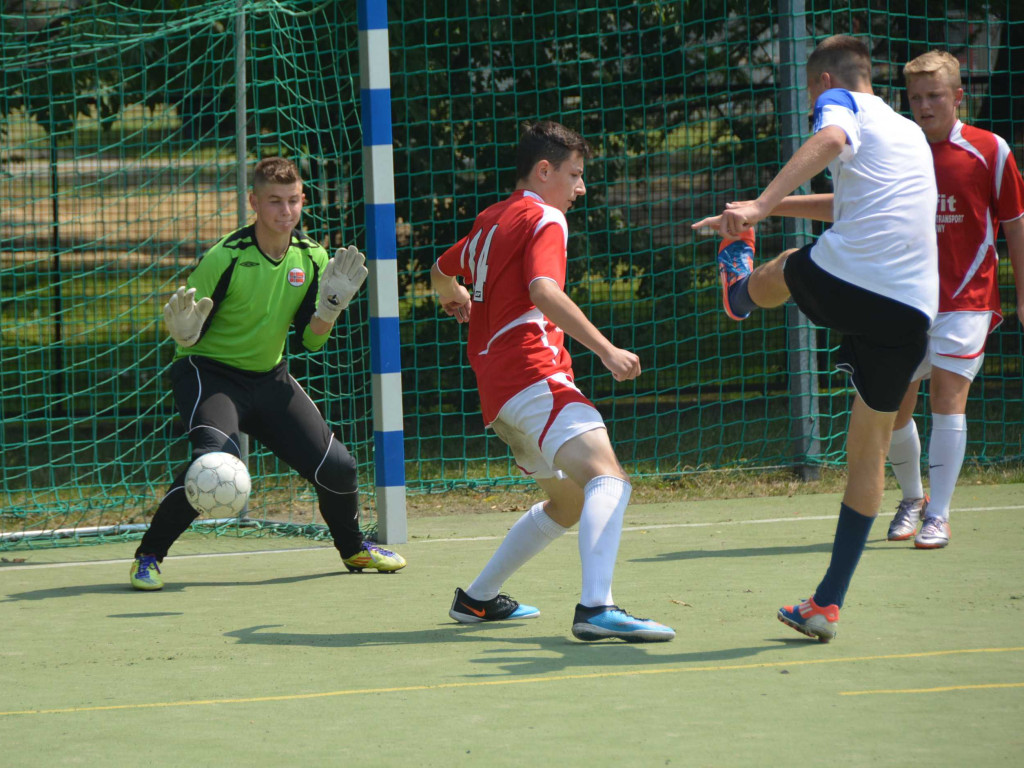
(217, 402)
(883, 340)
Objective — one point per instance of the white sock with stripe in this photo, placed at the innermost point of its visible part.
(604, 505)
(531, 534)
(946, 449)
(905, 459)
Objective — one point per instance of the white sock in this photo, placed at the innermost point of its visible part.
(946, 449)
(531, 533)
(604, 504)
(905, 458)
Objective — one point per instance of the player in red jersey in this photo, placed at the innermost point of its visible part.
(514, 260)
(980, 188)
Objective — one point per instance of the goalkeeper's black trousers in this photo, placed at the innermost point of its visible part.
(218, 402)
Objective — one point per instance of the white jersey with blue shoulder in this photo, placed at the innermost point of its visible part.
(883, 233)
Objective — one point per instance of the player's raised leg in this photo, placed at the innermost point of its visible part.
(735, 264)
(767, 284)
(744, 287)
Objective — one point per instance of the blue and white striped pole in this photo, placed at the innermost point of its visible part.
(381, 247)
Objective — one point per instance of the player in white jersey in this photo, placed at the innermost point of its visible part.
(514, 257)
(980, 188)
(872, 276)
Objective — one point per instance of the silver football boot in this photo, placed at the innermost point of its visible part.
(908, 515)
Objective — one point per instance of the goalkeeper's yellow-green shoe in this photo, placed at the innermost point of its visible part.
(372, 556)
(145, 574)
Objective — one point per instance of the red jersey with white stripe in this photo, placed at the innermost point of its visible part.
(979, 187)
(511, 343)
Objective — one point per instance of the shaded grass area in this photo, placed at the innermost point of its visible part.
(273, 659)
(696, 486)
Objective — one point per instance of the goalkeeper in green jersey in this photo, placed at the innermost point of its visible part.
(231, 322)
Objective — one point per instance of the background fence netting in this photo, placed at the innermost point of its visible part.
(118, 168)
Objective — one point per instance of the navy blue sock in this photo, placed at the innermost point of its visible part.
(739, 297)
(851, 536)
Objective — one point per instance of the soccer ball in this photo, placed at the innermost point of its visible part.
(217, 484)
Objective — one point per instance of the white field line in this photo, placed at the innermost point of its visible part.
(627, 529)
(802, 519)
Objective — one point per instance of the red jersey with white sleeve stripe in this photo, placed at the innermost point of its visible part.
(979, 187)
(511, 343)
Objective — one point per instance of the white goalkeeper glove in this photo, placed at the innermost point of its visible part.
(185, 316)
(339, 282)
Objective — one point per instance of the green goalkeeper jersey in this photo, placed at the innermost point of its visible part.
(256, 300)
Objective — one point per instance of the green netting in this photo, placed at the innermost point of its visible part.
(118, 168)
(686, 104)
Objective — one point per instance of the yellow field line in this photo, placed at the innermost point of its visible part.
(515, 681)
(942, 689)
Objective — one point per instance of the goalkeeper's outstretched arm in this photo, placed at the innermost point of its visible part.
(341, 278)
(185, 317)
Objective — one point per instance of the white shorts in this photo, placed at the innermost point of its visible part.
(542, 418)
(956, 343)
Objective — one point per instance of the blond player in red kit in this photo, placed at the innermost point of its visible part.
(514, 263)
(980, 188)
